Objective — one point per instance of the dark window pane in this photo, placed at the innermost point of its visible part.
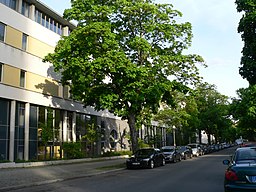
(2, 31)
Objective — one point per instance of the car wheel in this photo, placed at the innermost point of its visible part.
(151, 164)
(163, 162)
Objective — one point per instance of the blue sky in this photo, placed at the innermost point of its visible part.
(214, 24)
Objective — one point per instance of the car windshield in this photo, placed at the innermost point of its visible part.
(247, 154)
(193, 146)
(144, 152)
(168, 150)
(183, 148)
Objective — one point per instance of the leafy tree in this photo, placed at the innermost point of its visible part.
(244, 110)
(122, 54)
(213, 111)
(247, 27)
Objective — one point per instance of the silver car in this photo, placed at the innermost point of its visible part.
(171, 154)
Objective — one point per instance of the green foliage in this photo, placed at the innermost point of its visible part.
(142, 144)
(246, 28)
(213, 111)
(72, 150)
(92, 133)
(121, 55)
(243, 110)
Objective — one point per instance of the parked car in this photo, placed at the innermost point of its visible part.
(146, 158)
(196, 149)
(240, 174)
(171, 154)
(185, 151)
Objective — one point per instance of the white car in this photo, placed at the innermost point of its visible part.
(196, 149)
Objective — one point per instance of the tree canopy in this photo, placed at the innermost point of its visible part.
(243, 108)
(247, 30)
(123, 55)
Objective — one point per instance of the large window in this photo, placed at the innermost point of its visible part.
(19, 131)
(4, 128)
(2, 31)
(33, 122)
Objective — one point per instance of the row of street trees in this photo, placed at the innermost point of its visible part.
(202, 109)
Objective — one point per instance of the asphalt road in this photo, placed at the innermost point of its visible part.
(202, 174)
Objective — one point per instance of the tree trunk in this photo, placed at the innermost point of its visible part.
(133, 132)
(209, 138)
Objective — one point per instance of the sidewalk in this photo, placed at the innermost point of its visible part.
(20, 175)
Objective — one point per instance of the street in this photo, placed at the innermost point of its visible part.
(201, 174)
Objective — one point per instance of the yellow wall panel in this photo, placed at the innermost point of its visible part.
(13, 37)
(41, 84)
(38, 48)
(11, 75)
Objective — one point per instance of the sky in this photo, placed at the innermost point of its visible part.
(215, 38)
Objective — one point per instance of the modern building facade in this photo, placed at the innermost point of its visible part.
(31, 95)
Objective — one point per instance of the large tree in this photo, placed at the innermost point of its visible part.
(122, 54)
(246, 28)
(244, 106)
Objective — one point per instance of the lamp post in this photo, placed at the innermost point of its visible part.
(174, 135)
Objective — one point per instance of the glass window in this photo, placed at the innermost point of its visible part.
(22, 78)
(59, 29)
(2, 31)
(1, 71)
(12, 4)
(25, 9)
(24, 41)
(47, 22)
(43, 19)
(51, 24)
(19, 131)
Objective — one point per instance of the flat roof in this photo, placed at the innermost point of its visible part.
(52, 13)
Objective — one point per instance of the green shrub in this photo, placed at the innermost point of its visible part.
(72, 150)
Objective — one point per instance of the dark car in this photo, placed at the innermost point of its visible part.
(146, 158)
(171, 154)
(241, 172)
(185, 151)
